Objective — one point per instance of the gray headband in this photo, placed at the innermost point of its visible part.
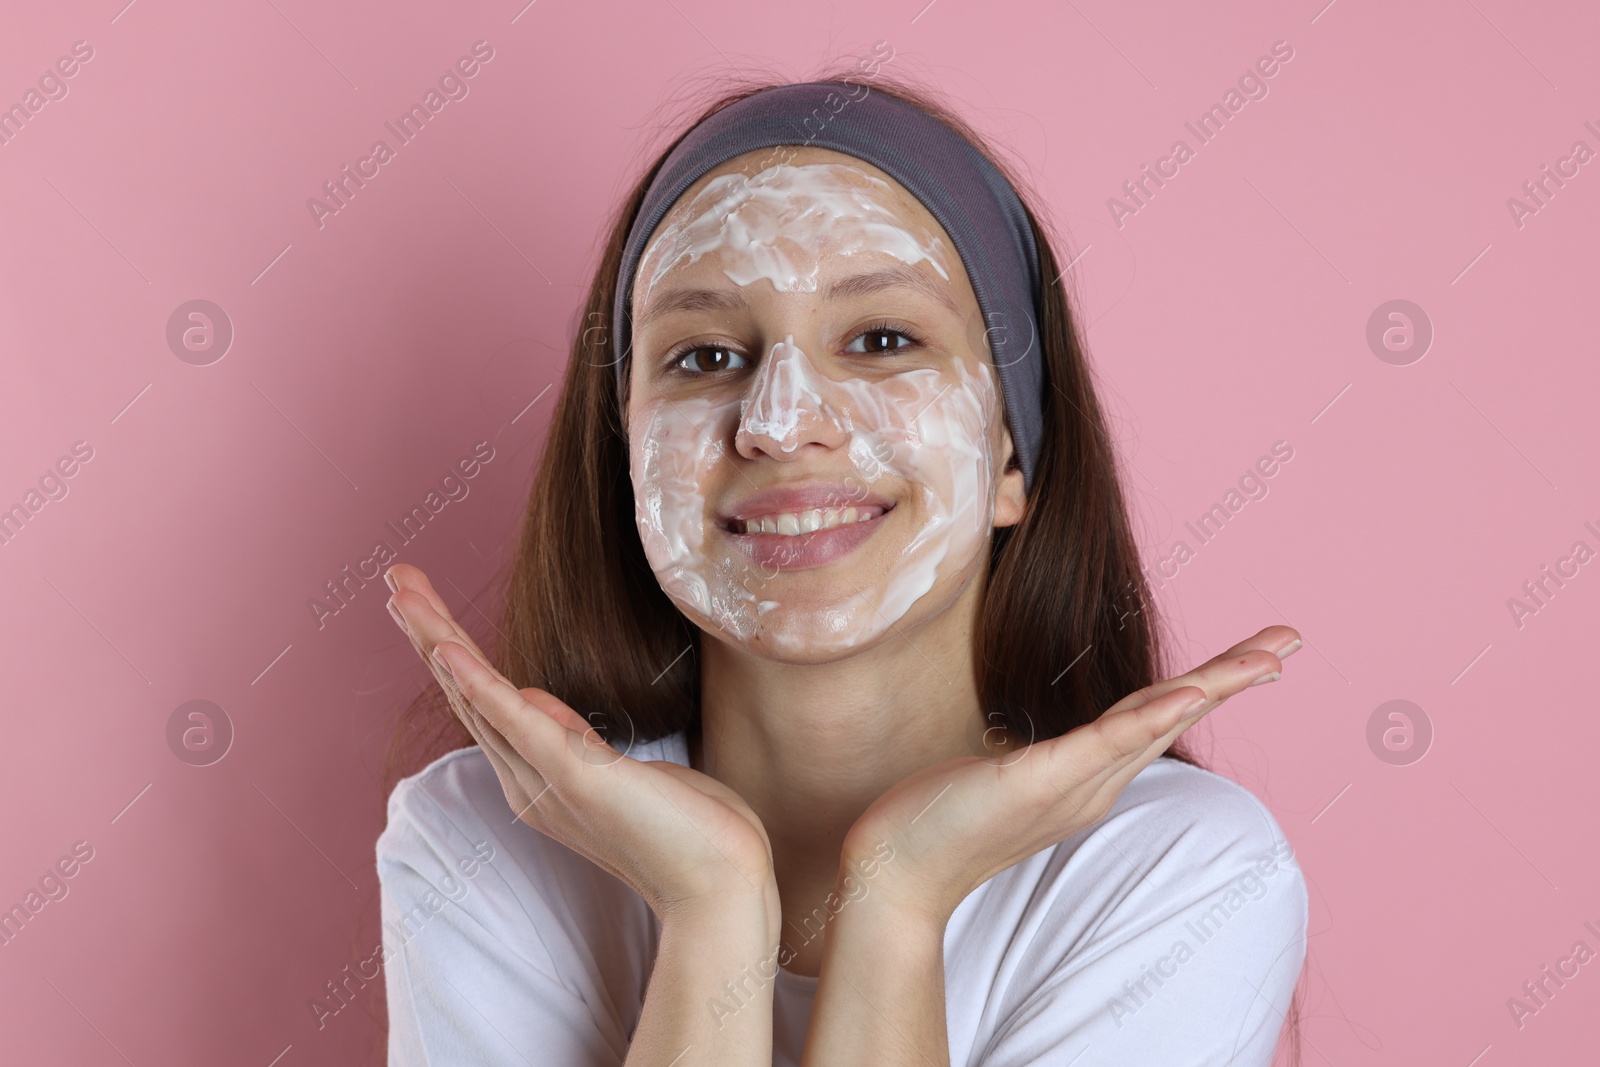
(958, 185)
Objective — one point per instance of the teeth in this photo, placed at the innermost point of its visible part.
(793, 523)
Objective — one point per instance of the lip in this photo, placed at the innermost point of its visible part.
(804, 496)
(792, 552)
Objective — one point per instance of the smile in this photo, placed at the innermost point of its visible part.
(794, 523)
(801, 540)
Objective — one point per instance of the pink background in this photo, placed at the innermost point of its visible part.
(371, 354)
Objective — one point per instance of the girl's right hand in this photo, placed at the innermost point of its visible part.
(683, 841)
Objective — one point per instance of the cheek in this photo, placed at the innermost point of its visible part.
(941, 438)
(883, 416)
(956, 466)
(673, 449)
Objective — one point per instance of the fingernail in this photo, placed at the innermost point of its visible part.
(399, 619)
(1265, 678)
(394, 586)
(434, 655)
(1290, 649)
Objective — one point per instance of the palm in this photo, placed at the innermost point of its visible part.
(956, 824)
(676, 836)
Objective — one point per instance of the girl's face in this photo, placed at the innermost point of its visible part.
(817, 450)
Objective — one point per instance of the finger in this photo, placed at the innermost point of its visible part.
(519, 782)
(528, 729)
(559, 711)
(1089, 765)
(434, 628)
(1098, 749)
(416, 631)
(1111, 785)
(436, 624)
(1147, 729)
(429, 627)
(1221, 676)
(405, 576)
(422, 650)
(421, 613)
(493, 745)
(489, 739)
(1183, 721)
(1281, 641)
(1123, 742)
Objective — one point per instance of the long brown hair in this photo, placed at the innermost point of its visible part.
(1066, 625)
(1065, 629)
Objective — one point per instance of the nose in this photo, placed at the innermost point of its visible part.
(787, 406)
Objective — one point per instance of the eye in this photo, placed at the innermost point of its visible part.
(876, 339)
(707, 358)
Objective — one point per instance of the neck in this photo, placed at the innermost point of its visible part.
(810, 746)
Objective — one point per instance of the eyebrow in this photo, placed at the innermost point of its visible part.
(895, 276)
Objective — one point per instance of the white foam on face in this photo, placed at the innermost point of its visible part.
(922, 435)
(773, 225)
(778, 394)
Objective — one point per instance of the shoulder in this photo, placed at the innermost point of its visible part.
(1178, 842)
(497, 937)
(449, 837)
(444, 815)
(1177, 922)
(1211, 821)
(452, 836)
(1178, 836)
(455, 782)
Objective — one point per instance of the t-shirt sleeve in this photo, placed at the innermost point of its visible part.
(1175, 939)
(468, 979)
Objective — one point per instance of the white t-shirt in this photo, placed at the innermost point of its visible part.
(1169, 934)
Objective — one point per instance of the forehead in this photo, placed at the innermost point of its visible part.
(808, 193)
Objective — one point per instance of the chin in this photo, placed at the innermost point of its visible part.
(831, 623)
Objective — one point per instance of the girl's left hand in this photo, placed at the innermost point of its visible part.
(955, 825)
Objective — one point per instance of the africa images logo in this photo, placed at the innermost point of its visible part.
(1252, 85)
(452, 87)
